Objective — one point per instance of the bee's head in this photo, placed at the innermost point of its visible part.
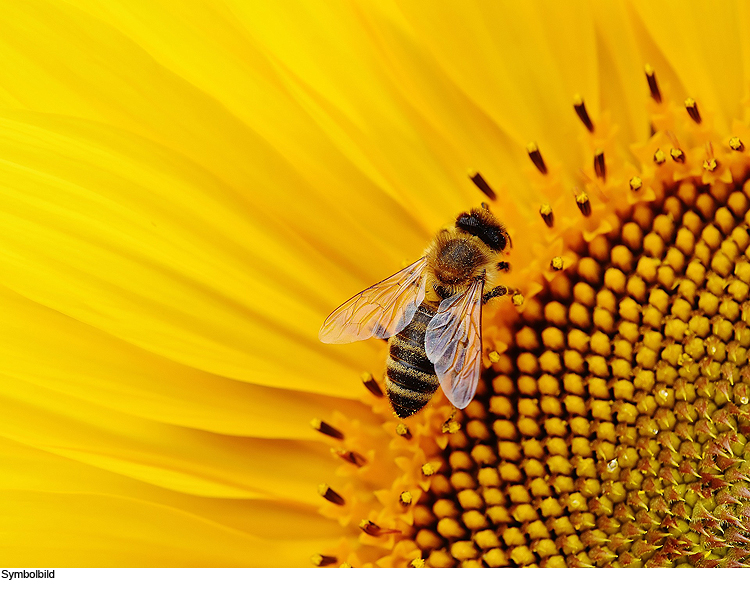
(482, 224)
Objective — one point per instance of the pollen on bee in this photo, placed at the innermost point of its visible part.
(583, 115)
(482, 185)
(536, 157)
(692, 110)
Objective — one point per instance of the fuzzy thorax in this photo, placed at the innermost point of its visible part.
(455, 258)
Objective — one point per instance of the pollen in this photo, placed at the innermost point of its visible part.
(736, 144)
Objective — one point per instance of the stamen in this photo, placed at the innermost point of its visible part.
(635, 183)
(405, 498)
(599, 166)
(351, 456)
(517, 299)
(330, 495)
(692, 109)
(494, 357)
(735, 144)
(582, 200)
(677, 155)
(546, 212)
(659, 157)
(403, 431)
(536, 157)
(323, 560)
(557, 263)
(482, 185)
(417, 563)
(372, 529)
(580, 109)
(326, 429)
(371, 384)
(451, 426)
(710, 163)
(653, 86)
(429, 469)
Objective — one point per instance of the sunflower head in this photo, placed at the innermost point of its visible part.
(609, 429)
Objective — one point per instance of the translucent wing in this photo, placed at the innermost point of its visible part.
(453, 343)
(380, 311)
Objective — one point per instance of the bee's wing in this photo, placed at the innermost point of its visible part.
(380, 311)
(453, 343)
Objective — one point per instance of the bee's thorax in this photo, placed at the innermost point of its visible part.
(456, 258)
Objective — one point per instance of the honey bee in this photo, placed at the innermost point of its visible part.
(431, 314)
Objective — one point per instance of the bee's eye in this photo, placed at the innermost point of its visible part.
(484, 227)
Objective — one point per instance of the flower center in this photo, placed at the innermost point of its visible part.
(611, 430)
(614, 432)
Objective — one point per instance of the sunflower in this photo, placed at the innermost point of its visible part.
(189, 187)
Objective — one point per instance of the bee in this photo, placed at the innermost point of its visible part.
(431, 314)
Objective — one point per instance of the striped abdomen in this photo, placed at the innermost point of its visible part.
(410, 378)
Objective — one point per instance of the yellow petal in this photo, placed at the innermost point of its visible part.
(186, 460)
(48, 349)
(29, 469)
(703, 43)
(111, 230)
(72, 529)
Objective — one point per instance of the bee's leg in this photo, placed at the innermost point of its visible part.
(503, 266)
(494, 293)
(441, 291)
